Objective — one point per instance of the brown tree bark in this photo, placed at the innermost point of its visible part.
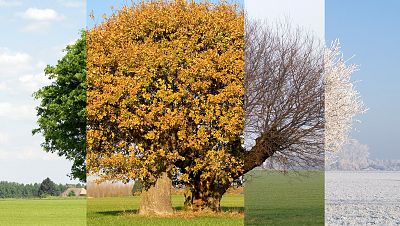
(157, 200)
(205, 195)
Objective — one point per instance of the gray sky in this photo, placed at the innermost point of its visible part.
(309, 14)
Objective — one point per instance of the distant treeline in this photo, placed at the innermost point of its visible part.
(18, 190)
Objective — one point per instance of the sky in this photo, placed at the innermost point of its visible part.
(99, 8)
(369, 31)
(34, 33)
(308, 14)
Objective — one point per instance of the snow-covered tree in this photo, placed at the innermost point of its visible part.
(353, 156)
(342, 101)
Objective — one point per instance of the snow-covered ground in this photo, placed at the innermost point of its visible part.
(362, 198)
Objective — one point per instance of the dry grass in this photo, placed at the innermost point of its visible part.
(108, 189)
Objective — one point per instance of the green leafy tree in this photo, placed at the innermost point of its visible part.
(71, 194)
(47, 187)
(62, 109)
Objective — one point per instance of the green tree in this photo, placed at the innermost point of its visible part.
(62, 109)
(47, 187)
(71, 194)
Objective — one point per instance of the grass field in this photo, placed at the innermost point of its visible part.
(43, 212)
(123, 211)
(272, 198)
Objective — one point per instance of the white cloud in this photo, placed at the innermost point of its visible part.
(40, 19)
(16, 112)
(6, 3)
(20, 72)
(13, 63)
(32, 83)
(41, 14)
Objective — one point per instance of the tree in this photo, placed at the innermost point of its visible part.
(284, 99)
(166, 94)
(62, 110)
(16, 190)
(342, 101)
(47, 187)
(353, 156)
(157, 199)
(165, 90)
(300, 99)
(71, 194)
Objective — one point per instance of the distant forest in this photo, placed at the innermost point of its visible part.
(18, 190)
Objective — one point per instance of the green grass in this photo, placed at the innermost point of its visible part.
(123, 211)
(272, 198)
(43, 212)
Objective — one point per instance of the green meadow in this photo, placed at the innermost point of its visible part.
(123, 211)
(272, 198)
(43, 212)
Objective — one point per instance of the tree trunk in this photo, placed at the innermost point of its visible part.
(204, 195)
(157, 200)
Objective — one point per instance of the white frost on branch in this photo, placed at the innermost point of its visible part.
(342, 101)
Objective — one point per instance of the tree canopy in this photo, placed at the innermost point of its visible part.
(165, 92)
(62, 110)
(47, 187)
(168, 91)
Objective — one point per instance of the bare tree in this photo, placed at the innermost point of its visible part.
(284, 99)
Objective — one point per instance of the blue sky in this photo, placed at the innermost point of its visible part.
(370, 31)
(100, 8)
(34, 32)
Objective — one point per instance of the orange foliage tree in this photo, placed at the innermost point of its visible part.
(165, 88)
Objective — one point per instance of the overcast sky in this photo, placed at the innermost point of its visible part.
(308, 14)
(34, 32)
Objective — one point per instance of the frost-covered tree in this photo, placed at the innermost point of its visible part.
(342, 101)
(353, 156)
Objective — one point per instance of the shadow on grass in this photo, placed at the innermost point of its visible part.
(118, 212)
(223, 209)
(177, 209)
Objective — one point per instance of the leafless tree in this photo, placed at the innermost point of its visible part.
(284, 99)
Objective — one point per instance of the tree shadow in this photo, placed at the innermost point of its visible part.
(224, 209)
(238, 209)
(118, 212)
